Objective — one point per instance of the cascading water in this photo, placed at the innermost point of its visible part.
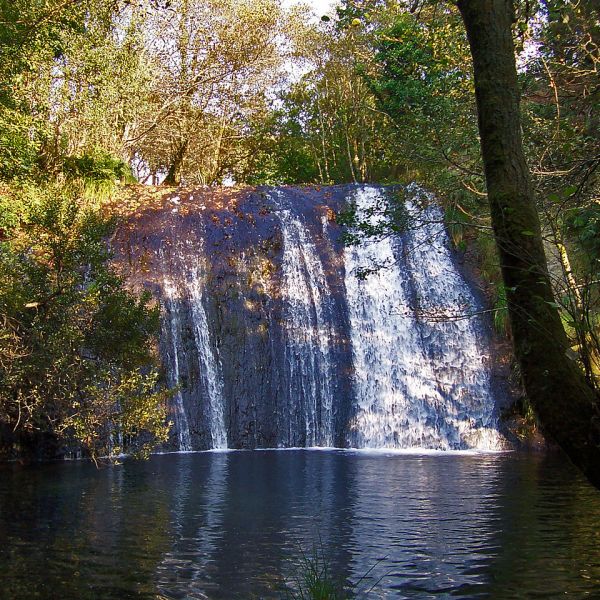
(208, 364)
(172, 321)
(452, 331)
(418, 382)
(307, 353)
(186, 294)
(274, 341)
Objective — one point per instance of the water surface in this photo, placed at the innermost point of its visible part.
(228, 525)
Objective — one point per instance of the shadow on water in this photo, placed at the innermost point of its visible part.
(235, 525)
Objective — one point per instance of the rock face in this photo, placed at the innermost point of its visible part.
(274, 341)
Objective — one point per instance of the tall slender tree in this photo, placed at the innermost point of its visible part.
(566, 404)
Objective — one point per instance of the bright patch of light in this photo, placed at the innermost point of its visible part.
(320, 7)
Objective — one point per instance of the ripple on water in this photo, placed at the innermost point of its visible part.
(240, 524)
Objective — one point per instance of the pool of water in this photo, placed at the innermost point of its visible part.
(242, 524)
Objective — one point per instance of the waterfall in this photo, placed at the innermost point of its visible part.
(208, 364)
(186, 261)
(172, 320)
(420, 378)
(272, 340)
(307, 352)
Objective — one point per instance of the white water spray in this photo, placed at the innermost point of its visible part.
(419, 383)
(305, 293)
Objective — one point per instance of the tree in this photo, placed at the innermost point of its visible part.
(424, 84)
(565, 402)
(326, 126)
(74, 84)
(77, 365)
(211, 80)
(560, 116)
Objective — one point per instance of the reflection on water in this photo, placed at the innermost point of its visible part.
(235, 525)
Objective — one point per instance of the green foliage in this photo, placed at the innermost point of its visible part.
(98, 166)
(78, 363)
(325, 128)
(73, 79)
(18, 152)
(584, 224)
(76, 352)
(501, 322)
(313, 580)
(99, 172)
(562, 129)
(413, 78)
(424, 84)
(385, 217)
(457, 224)
(283, 155)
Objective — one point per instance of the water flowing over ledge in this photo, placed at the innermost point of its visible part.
(276, 342)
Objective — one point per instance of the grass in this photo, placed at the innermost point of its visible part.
(313, 580)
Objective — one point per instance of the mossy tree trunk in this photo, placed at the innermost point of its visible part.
(565, 403)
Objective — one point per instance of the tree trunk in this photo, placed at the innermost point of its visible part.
(565, 403)
(174, 174)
